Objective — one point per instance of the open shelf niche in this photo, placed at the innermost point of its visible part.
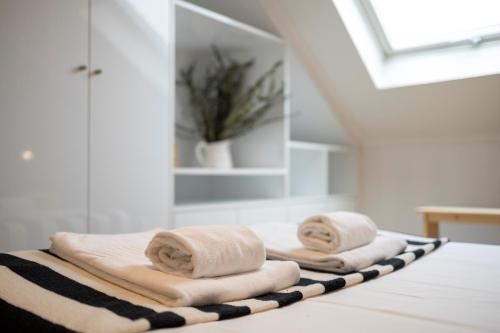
(321, 170)
(260, 157)
(322, 179)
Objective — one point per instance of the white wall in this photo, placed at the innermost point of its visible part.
(399, 176)
(312, 119)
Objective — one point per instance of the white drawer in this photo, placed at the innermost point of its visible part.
(262, 215)
(185, 219)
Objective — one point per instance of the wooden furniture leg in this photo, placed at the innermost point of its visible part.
(431, 227)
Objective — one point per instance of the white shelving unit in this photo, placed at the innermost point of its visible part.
(310, 146)
(260, 157)
(274, 179)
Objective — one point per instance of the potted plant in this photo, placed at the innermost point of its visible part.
(225, 107)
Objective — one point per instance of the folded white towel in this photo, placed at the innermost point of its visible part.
(120, 259)
(207, 251)
(282, 244)
(337, 232)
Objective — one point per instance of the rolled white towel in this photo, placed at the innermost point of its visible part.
(206, 251)
(337, 232)
(282, 244)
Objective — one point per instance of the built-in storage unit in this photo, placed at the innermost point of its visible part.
(89, 107)
(274, 179)
(85, 97)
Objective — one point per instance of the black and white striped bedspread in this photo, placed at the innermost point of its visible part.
(42, 293)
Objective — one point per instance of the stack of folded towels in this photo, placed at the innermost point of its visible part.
(216, 264)
(192, 266)
(338, 242)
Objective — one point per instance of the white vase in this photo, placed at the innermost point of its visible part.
(214, 154)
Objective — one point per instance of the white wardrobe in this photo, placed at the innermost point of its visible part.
(85, 90)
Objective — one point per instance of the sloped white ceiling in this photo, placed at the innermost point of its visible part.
(455, 109)
(464, 108)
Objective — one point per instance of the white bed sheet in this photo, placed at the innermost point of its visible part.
(455, 289)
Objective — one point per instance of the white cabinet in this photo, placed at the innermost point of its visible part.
(83, 150)
(263, 214)
(206, 217)
(131, 45)
(43, 120)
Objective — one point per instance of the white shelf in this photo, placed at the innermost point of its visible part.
(261, 203)
(302, 145)
(230, 172)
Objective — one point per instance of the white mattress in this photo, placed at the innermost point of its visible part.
(455, 289)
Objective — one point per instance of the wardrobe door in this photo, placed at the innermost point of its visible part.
(43, 120)
(130, 82)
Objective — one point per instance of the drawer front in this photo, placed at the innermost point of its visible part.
(262, 215)
(185, 219)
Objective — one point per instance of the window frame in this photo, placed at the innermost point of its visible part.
(472, 41)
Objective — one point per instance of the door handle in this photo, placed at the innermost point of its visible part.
(80, 68)
(96, 72)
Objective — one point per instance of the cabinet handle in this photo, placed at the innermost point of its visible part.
(80, 68)
(96, 72)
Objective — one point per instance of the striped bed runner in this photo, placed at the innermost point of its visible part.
(41, 293)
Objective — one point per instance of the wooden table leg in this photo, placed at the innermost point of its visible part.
(431, 227)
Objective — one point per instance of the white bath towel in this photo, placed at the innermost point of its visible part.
(282, 244)
(120, 259)
(337, 232)
(207, 251)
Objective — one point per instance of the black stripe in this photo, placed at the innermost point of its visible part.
(437, 243)
(165, 320)
(394, 262)
(326, 270)
(51, 280)
(368, 275)
(14, 319)
(47, 251)
(225, 311)
(303, 282)
(418, 253)
(417, 243)
(283, 299)
(332, 285)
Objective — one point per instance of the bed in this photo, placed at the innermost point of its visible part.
(453, 289)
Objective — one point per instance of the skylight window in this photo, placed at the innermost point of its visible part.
(412, 25)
